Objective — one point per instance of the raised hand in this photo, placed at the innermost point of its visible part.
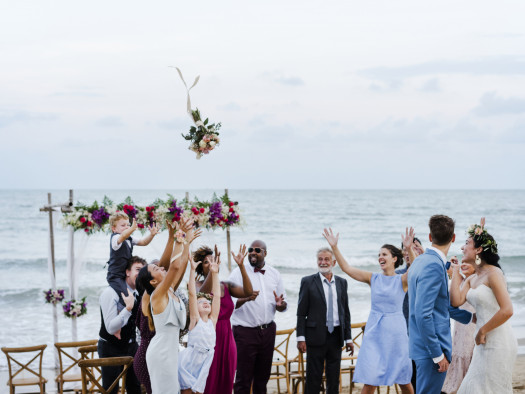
(408, 238)
(154, 229)
(239, 258)
(330, 237)
(482, 223)
(454, 263)
(194, 264)
(186, 224)
(193, 235)
(171, 229)
(133, 225)
(214, 264)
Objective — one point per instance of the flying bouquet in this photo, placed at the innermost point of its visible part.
(204, 137)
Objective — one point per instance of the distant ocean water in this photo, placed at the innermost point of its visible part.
(290, 222)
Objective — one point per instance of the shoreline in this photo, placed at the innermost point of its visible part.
(518, 379)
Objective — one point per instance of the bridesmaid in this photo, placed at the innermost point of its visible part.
(224, 364)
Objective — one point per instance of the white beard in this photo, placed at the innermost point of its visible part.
(327, 270)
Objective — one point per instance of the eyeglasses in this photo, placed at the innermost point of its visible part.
(257, 250)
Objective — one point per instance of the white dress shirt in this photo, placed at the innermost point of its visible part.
(261, 310)
(115, 315)
(326, 289)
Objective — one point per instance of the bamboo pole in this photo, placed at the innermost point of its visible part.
(72, 276)
(52, 273)
(228, 243)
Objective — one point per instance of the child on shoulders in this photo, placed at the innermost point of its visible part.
(121, 249)
(195, 360)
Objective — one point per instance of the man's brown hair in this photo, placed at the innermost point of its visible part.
(441, 229)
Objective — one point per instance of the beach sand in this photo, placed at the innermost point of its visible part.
(518, 380)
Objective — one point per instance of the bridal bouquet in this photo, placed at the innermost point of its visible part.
(75, 308)
(204, 137)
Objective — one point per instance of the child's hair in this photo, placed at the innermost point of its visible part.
(204, 295)
(113, 219)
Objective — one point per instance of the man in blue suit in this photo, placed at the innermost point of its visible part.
(430, 342)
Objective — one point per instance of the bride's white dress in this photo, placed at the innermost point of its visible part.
(491, 368)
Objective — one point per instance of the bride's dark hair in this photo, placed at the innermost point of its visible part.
(487, 255)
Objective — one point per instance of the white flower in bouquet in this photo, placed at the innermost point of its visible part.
(212, 143)
(202, 143)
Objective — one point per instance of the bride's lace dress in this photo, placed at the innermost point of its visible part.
(491, 368)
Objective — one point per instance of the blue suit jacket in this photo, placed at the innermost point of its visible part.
(429, 308)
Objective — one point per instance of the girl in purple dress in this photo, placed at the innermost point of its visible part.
(224, 364)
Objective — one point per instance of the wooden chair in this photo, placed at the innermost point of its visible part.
(347, 361)
(88, 353)
(281, 361)
(297, 377)
(86, 366)
(68, 357)
(38, 379)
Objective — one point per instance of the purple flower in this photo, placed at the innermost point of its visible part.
(215, 213)
(175, 210)
(99, 216)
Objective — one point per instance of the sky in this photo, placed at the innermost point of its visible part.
(325, 95)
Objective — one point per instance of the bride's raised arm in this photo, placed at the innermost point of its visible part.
(458, 294)
(353, 272)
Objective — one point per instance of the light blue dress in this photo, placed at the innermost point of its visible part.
(196, 359)
(383, 358)
(163, 350)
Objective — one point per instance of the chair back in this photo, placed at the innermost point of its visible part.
(88, 353)
(17, 367)
(88, 377)
(69, 357)
(282, 341)
(358, 337)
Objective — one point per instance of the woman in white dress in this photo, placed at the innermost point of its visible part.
(195, 360)
(496, 347)
(167, 310)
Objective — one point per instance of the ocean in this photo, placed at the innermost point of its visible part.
(289, 221)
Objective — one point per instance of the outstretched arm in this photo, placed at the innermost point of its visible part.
(216, 289)
(164, 261)
(192, 295)
(126, 233)
(354, 273)
(191, 235)
(246, 290)
(408, 244)
(153, 230)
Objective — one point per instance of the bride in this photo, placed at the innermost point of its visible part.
(496, 347)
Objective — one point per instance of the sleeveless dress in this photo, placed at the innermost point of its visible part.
(492, 363)
(462, 348)
(222, 370)
(139, 361)
(163, 350)
(383, 358)
(195, 360)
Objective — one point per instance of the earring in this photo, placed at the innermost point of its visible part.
(478, 260)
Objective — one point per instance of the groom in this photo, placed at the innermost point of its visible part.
(430, 342)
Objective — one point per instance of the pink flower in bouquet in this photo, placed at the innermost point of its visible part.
(478, 231)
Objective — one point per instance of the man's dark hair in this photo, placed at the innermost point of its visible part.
(441, 229)
(134, 260)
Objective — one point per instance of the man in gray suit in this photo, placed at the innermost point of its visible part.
(323, 324)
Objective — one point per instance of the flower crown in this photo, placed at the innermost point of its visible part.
(479, 234)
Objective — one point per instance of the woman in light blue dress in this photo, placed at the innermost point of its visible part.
(196, 359)
(383, 358)
(167, 310)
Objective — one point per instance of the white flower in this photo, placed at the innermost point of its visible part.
(202, 144)
(212, 143)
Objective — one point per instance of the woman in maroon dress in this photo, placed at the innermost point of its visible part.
(222, 370)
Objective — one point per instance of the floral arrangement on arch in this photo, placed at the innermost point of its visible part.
(220, 212)
(54, 296)
(75, 308)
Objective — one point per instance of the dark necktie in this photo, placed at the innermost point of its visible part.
(259, 270)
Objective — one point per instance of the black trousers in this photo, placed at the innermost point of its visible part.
(254, 358)
(109, 374)
(317, 357)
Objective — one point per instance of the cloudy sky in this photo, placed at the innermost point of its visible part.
(311, 94)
